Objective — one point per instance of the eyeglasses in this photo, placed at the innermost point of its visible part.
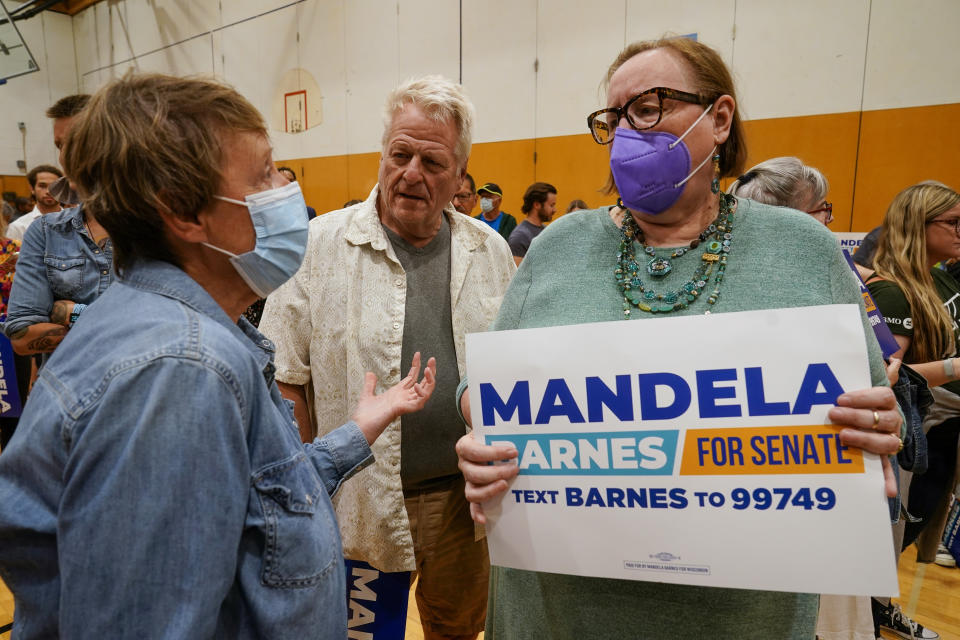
(828, 207)
(643, 111)
(463, 196)
(953, 222)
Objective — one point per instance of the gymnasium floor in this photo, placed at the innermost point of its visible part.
(928, 593)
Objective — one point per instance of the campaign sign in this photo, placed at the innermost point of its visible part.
(850, 240)
(376, 602)
(692, 450)
(10, 405)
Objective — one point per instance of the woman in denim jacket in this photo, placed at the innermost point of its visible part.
(65, 264)
(65, 261)
(157, 485)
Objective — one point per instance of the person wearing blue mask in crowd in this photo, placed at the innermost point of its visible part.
(673, 246)
(491, 195)
(157, 483)
(254, 312)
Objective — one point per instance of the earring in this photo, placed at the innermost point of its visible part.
(715, 185)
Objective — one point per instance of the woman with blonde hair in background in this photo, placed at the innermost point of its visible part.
(921, 306)
(788, 182)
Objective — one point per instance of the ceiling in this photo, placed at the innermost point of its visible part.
(71, 7)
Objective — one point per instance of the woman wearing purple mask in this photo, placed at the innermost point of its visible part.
(674, 245)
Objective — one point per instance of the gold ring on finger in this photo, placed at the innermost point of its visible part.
(876, 419)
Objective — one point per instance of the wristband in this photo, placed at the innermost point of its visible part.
(79, 307)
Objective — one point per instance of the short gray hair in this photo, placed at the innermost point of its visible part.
(440, 99)
(783, 182)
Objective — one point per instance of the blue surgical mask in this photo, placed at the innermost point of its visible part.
(486, 205)
(280, 221)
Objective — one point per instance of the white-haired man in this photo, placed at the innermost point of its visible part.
(400, 270)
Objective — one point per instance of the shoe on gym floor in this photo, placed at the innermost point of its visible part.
(944, 558)
(891, 618)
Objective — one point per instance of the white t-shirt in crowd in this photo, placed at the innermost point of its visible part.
(18, 227)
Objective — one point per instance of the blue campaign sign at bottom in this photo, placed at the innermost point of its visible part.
(10, 404)
(376, 602)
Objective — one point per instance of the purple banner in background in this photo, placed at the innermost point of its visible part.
(888, 344)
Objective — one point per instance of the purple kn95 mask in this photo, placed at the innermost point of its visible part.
(651, 168)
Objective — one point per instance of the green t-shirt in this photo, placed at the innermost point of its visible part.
(893, 304)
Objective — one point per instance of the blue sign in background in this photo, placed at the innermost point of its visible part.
(376, 602)
(10, 405)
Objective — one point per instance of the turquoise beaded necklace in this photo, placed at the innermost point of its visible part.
(638, 295)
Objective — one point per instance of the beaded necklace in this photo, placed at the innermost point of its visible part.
(640, 296)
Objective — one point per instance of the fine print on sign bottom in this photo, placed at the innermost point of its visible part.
(656, 563)
(636, 464)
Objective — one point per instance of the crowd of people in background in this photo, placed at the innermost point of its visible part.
(208, 361)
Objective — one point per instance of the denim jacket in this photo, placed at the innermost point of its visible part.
(58, 261)
(157, 485)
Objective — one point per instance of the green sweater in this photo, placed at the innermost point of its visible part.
(780, 258)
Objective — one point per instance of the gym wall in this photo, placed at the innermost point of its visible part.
(866, 90)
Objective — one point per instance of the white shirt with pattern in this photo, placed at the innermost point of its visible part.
(341, 315)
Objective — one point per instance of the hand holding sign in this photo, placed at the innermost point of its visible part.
(871, 417)
(488, 470)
